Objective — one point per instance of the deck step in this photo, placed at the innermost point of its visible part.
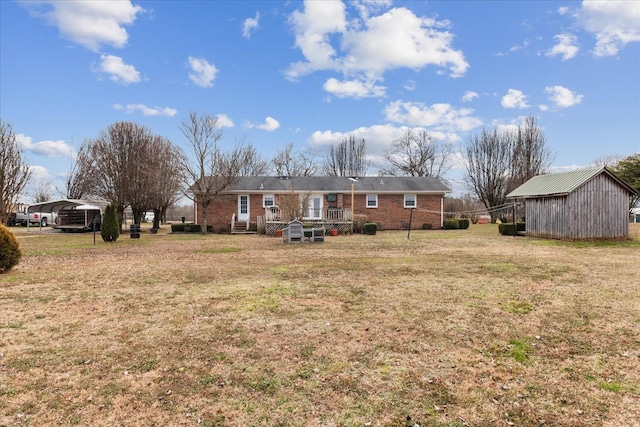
(240, 227)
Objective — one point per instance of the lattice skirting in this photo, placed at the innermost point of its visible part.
(271, 228)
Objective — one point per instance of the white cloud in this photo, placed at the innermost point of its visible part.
(613, 23)
(117, 70)
(469, 96)
(563, 97)
(88, 23)
(514, 99)
(354, 89)
(146, 111)
(410, 85)
(270, 124)
(224, 121)
(249, 25)
(45, 148)
(313, 28)
(368, 46)
(567, 46)
(525, 44)
(202, 73)
(377, 138)
(39, 174)
(437, 116)
(366, 7)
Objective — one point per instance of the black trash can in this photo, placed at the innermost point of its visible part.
(135, 231)
(184, 219)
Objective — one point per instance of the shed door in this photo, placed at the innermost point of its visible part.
(243, 208)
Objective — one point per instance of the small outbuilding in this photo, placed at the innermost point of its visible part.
(584, 204)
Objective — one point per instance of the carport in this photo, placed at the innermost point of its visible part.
(67, 205)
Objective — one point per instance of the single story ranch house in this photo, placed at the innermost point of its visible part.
(329, 201)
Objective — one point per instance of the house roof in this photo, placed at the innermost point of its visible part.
(559, 184)
(334, 184)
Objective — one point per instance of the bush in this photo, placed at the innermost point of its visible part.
(506, 228)
(190, 227)
(358, 223)
(463, 223)
(110, 229)
(451, 224)
(370, 228)
(9, 250)
(427, 226)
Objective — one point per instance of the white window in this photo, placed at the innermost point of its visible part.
(268, 200)
(372, 200)
(410, 200)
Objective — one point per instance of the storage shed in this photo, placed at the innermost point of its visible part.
(583, 204)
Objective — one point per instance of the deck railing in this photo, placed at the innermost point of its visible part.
(274, 213)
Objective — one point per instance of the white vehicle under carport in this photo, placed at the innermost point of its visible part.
(72, 214)
(31, 217)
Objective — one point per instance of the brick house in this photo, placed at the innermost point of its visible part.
(260, 200)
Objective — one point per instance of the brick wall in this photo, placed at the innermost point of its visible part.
(390, 212)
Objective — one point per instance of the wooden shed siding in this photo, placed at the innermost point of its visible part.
(597, 209)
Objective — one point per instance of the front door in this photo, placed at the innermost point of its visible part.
(243, 208)
(315, 207)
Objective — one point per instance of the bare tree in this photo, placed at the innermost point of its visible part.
(610, 161)
(79, 178)
(209, 171)
(117, 175)
(348, 158)
(252, 164)
(499, 162)
(14, 171)
(41, 191)
(530, 155)
(298, 163)
(487, 161)
(293, 205)
(418, 154)
(165, 182)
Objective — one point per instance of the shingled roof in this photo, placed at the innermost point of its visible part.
(329, 184)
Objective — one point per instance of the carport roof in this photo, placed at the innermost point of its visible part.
(54, 205)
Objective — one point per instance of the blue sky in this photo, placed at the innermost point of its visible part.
(311, 73)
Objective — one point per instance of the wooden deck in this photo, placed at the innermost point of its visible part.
(329, 219)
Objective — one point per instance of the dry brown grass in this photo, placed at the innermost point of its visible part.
(450, 328)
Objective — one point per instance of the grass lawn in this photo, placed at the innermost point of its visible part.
(449, 328)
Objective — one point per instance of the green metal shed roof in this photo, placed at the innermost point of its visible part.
(561, 183)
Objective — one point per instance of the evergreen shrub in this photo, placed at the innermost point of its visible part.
(190, 227)
(451, 224)
(370, 228)
(506, 228)
(463, 223)
(110, 229)
(9, 250)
